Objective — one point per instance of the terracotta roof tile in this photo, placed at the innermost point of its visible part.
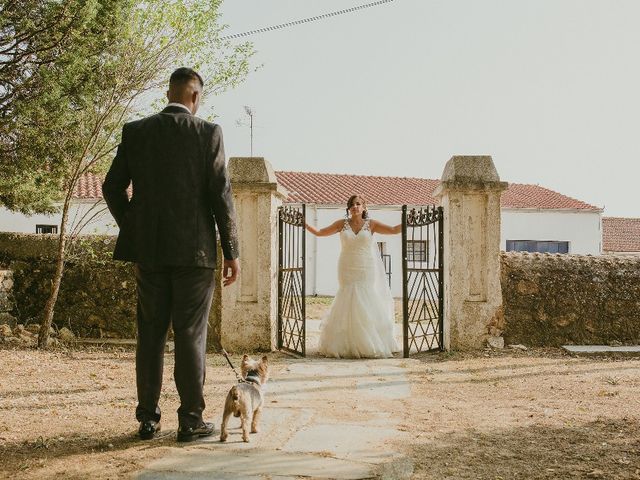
(336, 188)
(620, 234)
(522, 195)
(88, 186)
(332, 188)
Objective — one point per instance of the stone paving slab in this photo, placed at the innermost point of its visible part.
(343, 441)
(602, 349)
(256, 464)
(389, 382)
(304, 433)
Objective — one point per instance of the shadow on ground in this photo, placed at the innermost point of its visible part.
(601, 449)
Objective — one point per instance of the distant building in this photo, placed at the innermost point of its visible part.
(621, 236)
(533, 218)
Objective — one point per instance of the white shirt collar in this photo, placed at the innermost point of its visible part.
(176, 104)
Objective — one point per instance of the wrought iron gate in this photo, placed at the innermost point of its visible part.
(291, 279)
(422, 279)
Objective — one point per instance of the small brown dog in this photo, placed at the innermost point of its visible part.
(246, 399)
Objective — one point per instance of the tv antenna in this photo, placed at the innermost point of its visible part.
(249, 111)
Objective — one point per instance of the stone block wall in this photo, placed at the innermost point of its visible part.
(97, 297)
(553, 300)
(7, 303)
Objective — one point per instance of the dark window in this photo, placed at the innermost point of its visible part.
(46, 229)
(416, 250)
(541, 246)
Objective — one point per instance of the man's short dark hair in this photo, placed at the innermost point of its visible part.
(184, 75)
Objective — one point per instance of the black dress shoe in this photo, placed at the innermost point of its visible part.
(189, 434)
(148, 429)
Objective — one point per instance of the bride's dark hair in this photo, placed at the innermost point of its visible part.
(352, 200)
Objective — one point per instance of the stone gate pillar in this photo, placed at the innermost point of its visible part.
(249, 307)
(470, 192)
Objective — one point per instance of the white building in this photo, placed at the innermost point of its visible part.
(533, 218)
(88, 210)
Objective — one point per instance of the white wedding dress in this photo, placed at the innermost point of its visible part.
(360, 321)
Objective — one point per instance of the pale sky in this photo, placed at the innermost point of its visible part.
(549, 88)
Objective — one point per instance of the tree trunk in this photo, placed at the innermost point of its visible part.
(45, 326)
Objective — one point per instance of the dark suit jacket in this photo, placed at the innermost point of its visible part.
(175, 163)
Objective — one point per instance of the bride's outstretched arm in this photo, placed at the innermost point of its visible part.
(379, 227)
(335, 227)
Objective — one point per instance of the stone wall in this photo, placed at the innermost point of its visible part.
(553, 300)
(97, 297)
(7, 303)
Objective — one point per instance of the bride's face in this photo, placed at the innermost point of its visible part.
(357, 208)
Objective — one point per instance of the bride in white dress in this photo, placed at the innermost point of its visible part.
(360, 321)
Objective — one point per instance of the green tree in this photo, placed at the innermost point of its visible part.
(114, 64)
(37, 40)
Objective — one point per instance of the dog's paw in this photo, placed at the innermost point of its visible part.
(223, 437)
(254, 430)
(245, 439)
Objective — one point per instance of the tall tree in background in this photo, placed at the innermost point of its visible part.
(64, 115)
(37, 40)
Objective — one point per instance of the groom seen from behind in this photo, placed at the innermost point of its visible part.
(175, 165)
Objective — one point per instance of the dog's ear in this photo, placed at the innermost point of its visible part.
(245, 356)
(264, 359)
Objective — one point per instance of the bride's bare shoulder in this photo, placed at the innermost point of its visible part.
(338, 225)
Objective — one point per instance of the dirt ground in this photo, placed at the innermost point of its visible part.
(536, 414)
(539, 414)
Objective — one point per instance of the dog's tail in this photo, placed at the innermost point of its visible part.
(235, 395)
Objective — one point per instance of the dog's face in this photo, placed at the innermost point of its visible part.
(255, 367)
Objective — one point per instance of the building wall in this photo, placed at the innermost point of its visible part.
(103, 223)
(581, 229)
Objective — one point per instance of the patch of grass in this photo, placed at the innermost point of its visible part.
(319, 300)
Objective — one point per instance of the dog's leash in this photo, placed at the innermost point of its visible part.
(226, 355)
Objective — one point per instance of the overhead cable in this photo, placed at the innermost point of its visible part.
(305, 20)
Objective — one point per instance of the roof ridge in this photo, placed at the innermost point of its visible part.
(357, 175)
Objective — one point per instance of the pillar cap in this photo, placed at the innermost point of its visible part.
(470, 172)
(251, 169)
(254, 172)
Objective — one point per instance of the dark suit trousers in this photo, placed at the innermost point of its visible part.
(180, 296)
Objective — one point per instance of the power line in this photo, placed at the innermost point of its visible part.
(305, 20)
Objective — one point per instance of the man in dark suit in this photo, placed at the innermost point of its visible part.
(175, 163)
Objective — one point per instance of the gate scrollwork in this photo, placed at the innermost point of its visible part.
(292, 216)
(419, 217)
